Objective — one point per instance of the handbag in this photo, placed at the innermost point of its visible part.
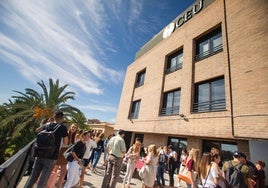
(144, 171)
(68, 154)
(139, 164)
(183, 174)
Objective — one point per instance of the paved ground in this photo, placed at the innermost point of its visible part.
(94, 180)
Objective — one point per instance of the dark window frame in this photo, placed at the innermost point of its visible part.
(208, 39)
(140, 78)
(135, 108)
(212, 104)
(174, 109)
(178, 144)
(178, 64)
(226, 155)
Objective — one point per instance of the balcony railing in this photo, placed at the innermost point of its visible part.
(174, 68)
(208, 53)
(12, 171)
(210, 106)
(170, 111)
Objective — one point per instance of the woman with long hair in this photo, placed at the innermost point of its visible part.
(207, 171)
(132, 157)
(76, 164)
(97, 151)
(62, 162)
(216, 159)
(151, 161)
(191, 165)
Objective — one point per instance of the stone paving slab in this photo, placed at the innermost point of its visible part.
(94, 180)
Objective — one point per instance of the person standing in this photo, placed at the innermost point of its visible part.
(216, 159)
(191, 165)
(236, 162)
(207, 171)
(76, 164)
(90, 145)
(162, 159)
(116, 149)
(97, 151)
(132, 156)
(105, 154)
(172, 164)
(260, 174)
(151, 161)
(62, 162)
(44, 166)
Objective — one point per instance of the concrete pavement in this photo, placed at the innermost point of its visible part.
(94, 180)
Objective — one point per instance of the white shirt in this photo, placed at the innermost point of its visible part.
(212, 174)
(90, 144)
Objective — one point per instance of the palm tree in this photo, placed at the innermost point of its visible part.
(80, 119)
(28, 109)
(33, 106)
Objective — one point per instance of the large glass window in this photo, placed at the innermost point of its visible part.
(226, 148)
(135, 110)
(209, 44)
(178, 144)
(210, 96)
(174, 62)
(171, 103)
(140, 78)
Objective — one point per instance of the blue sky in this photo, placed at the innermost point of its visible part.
(86, 44)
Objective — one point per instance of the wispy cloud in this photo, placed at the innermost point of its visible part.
(135, 11)
(46, 39)
(102, 108)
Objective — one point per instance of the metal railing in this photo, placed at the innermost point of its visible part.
(12, 170)
(208, 53)
(170, 111)
(210, 106)
(174, 68)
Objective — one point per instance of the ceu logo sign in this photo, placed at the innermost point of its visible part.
(187, 15)
(168, 30)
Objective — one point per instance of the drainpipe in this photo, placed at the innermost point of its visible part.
(229, 69)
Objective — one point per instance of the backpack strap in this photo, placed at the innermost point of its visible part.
(207, 175)
(239, 166)
(52, 127)
(230, 164)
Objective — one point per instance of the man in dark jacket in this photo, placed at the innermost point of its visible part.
(44, 165)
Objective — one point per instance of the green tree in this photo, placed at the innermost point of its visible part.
(27, 110)
(80, 119)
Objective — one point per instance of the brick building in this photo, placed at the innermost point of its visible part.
(202, 81)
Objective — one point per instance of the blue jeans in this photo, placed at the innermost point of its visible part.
(41, 166)
(96, 158)
(160, 173)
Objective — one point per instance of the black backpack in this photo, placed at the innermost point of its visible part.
(234, 176)
(45, 142)
(162, 158)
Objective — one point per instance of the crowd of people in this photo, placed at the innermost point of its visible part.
(193, 170)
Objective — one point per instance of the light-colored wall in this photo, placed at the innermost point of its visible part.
(247, 34)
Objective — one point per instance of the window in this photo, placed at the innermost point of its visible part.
(178, 144)
(174, 62)
(135, 110)
(226, 148)
(140, 78)
(210, 96)
(209, 44)
(171, 103)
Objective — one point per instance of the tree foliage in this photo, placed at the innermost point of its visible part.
(21, 116)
